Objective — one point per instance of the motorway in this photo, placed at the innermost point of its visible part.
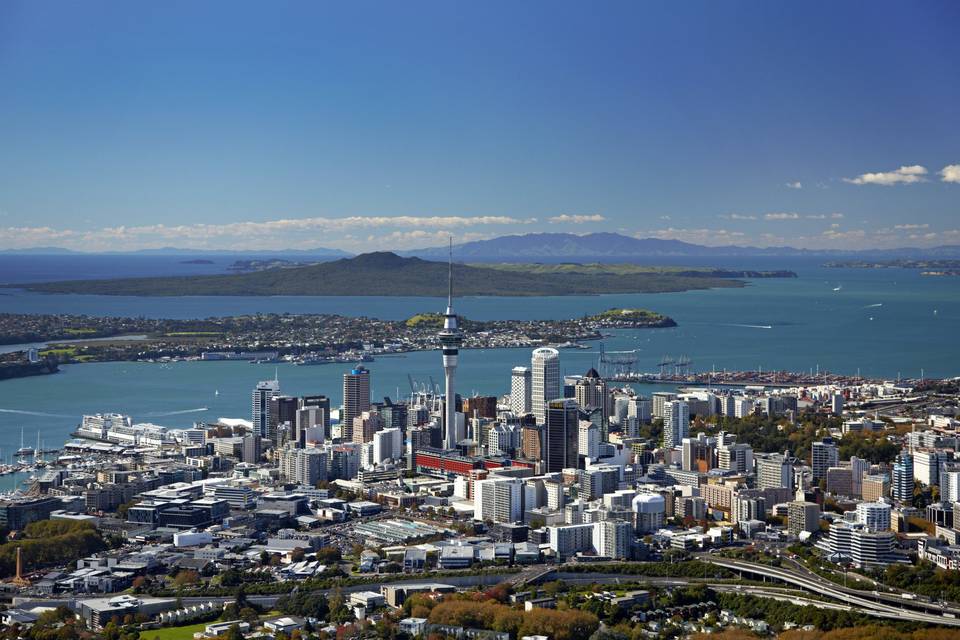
(880, 605)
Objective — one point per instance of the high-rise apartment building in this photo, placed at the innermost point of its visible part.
(356, 399)
(303, 466)
(803, 517)
(902, 486)
(365, 425)
(676, 423)
(545, 378)
(774, 470)
(521, 388)
(263, 393)
(698, 453)
(823, 455)
(498, 499)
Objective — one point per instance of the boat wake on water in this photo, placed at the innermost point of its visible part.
(750, 326)
(871, 306)
(41, 414)
(161, 414)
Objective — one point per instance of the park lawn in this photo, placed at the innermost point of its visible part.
(61, 351)
(174, 633)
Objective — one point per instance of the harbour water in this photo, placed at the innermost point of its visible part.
(884, 323)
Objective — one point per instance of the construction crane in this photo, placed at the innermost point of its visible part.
(617, 363)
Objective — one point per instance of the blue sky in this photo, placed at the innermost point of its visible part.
(389, 125)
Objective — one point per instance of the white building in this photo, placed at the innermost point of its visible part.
(303, 466)
(521, 388)
(387, 445)
(676, 423)
(874, 515)
(589, 440)
(498, 499)
(650, 509)
(265, 391)
(545, 363)
(612, 538)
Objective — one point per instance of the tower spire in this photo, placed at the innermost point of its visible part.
(450, 277)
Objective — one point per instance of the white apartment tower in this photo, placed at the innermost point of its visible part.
(265, 391)
(676, 423)
(521, 387)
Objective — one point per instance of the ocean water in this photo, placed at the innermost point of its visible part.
(884, 323)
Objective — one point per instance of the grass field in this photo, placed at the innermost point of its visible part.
(173, 633)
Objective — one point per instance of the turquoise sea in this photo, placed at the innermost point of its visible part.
(884, 323)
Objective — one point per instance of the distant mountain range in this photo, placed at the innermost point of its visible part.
(615, 247)
(561, 247)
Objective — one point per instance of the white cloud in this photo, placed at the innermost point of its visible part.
(904, 175)
(950, 173)
(737, 216)
(292, 233)
(565, 218)
(698, 236)
(781, 216)
(910, 227)
(794, 185)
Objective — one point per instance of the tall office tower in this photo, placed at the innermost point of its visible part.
(265, 391)
(773, 471)
(560, 435)
(589, 440)
(387, 445)
(591, 392)
(858, 468)
(698, 453)
(450, 341)
(676, 423)
(303, 466)
(283, 411)
(659, 401)
(521, 386)
(736, 457)
(545, 363)
(823, 455)
(356, 399)
(313, 412)
(902, 486)
(365, 425)
(498, 499)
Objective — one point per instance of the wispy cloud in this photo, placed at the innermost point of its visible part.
(269, 234)
(794, 185)
(904, 175)
(781, 216)
(950, 173)
(737, 216)
(565, 218)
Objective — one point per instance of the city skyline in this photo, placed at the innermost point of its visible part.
(195, 127)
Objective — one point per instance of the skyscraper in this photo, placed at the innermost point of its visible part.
(560, 435)
(823, 455)
(263, 393)
(545, 363)
(356, 399)
(450, 341)
(520, 390)
(591, 393)
(902, 486)
(676, 423)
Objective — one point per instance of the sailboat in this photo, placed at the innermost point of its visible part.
(23, 451)
(838, 287)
